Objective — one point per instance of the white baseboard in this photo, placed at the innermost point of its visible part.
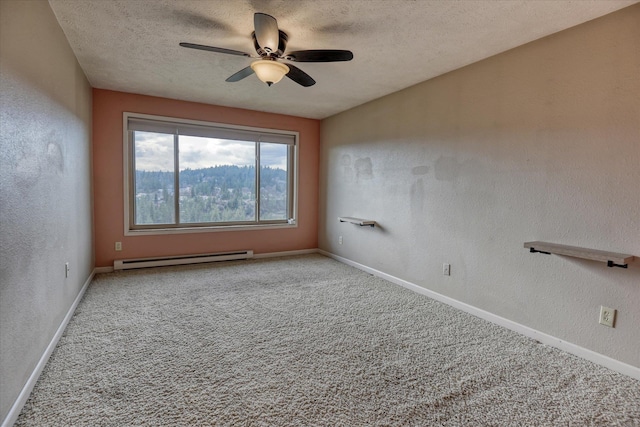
(286, 253)
(592, 356)
(98, 270)
(22, 398)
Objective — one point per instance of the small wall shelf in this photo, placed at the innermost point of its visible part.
(612, 259)
(357, 221)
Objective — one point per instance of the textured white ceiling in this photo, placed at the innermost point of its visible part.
(132, 45)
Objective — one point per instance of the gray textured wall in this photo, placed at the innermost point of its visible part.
(538, 143)
(45, 186)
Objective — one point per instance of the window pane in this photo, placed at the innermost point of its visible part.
(154, 179)
(274, 165)
(201, 174)
(217, 180)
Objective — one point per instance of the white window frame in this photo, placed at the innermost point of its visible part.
(127, 155)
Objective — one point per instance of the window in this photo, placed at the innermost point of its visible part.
(190, 175)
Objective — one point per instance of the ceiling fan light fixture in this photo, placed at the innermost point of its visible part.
(269, 71)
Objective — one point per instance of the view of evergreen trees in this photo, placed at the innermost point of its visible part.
(215, 194)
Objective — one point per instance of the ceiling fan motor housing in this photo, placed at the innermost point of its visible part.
(282, 45)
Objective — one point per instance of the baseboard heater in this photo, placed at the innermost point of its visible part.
(126, 264)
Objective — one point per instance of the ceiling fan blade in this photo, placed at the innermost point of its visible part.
(245, 72)
(267, 34)
(299, 76)
(214, 49)
(320, 55)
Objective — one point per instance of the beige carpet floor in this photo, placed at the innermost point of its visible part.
(305, 341)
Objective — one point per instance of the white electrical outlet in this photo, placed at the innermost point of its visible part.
(67, 270)
(607, 316)
(446, 269)
(118, 246)
(339, 240)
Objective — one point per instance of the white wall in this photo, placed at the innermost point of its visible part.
(45, 187)
(539, 143)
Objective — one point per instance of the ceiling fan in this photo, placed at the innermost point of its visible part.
(270, 44)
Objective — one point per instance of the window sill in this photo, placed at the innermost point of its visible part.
(215, 229)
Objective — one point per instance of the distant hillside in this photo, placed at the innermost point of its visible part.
(203, 181)
(215, 194)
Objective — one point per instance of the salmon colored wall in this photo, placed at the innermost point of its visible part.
(108, 107)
